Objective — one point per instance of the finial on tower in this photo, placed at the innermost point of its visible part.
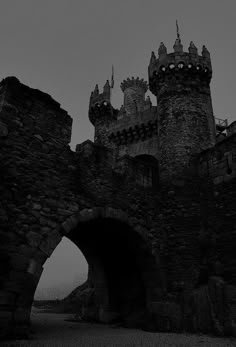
(153, 58)
(112, 77)
(96, 90)
(205, 53)
(178, 47)
(177, 30)
(192, 48)
(107, 90)
(162, 49)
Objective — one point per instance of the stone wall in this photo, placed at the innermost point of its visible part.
(181, 236)
(218, 163)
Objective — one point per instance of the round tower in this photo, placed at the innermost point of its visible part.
(186, 126)
(101, 113)
(134, 94)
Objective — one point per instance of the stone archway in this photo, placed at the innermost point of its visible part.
(122, 266)
(125, 272)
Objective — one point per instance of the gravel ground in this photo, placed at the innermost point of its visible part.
(53, 331)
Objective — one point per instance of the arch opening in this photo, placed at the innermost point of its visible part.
(62, 272)
(122, 271)
(124, 277)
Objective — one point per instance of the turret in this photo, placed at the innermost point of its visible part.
(99, 102)
(181, 83)
(134, 90)
(101, 111)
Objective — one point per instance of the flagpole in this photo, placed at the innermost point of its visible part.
(112, 81)
(177, 29)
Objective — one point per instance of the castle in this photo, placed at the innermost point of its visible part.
(150, 203)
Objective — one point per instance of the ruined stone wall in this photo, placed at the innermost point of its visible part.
(36, 181)
(47, 190)
(43, 184)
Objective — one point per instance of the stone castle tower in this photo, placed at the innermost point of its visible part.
(172, 133)
(150, 203)
(181, 83)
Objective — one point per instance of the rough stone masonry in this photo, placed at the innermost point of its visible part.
(150, 203)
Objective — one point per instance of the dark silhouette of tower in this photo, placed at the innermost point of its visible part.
(186, 126)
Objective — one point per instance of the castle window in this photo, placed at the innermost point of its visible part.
(150, 174)
(181, 65)
(162, 68)
(171, 66)
(198, 67)
(190, 66)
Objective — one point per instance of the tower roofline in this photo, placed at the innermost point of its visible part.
(134, 83)
(179, 60)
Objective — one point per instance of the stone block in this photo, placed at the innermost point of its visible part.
(70, 224)
(168, 314)
(50, 242)
(33, 239)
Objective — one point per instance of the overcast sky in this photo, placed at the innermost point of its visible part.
(65, 47)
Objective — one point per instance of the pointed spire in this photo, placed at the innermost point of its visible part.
(192, 48)
(112, 77)
(106, 86)
(177, 30)
(178, 47)
(205, 52)
(107, 90)
(96, 90)
(153, 58)
(162, 49)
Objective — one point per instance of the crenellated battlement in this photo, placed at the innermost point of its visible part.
(134, 90)
(100, 104)
(185, 67)
(97, 97)
(135, 83)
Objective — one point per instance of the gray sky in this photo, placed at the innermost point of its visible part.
(65, 47)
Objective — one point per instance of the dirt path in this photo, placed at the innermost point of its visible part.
(53, 331)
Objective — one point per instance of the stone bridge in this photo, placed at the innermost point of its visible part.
(165, 253)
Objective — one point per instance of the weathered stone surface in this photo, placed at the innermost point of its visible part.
(3, 130)
(167, 316)
(157, 247)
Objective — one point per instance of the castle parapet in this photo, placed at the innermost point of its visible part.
(134, 90)
(181, 82)
(188, 67)
(100, 103)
